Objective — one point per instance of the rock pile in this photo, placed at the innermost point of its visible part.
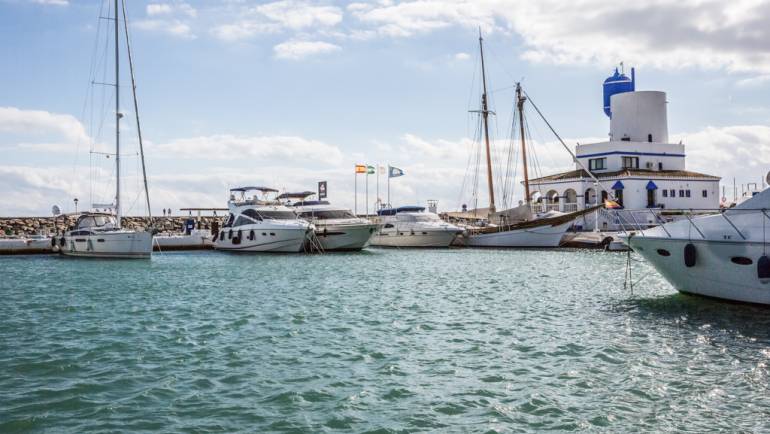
(20, 226)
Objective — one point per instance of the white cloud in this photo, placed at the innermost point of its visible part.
(296, 50)
(52, 2)
(172, 27)
(40, 125)
(709, 34)
(462, 56)
(230, 147)
(178, 8)
(284, 15)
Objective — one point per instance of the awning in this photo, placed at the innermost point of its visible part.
(651, 186)
(618, 185)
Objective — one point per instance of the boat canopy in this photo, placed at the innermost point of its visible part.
(394, 211)
(297, 195)
(262, 189)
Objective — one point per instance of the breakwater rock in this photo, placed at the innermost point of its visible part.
(21, 226)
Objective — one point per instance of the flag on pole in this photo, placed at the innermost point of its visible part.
(394, 172)
(370, 170)
(611, 204)
(360, 168)
(381, 170)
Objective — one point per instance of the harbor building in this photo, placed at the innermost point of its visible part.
(645, 172)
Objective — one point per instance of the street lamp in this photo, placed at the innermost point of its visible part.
(76, 205)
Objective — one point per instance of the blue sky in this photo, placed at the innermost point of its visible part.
(290, 92)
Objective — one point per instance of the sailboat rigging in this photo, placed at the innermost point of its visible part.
(100, 234)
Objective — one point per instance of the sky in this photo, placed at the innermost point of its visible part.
(288, 93)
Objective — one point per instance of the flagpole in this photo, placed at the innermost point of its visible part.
(367, 191)
(389, 185)
(378, 186)
(355, 192)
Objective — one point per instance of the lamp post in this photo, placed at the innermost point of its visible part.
(76, 205)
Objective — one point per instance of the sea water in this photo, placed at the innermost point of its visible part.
(455, 340)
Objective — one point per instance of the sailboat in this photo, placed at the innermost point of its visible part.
(100, 234)
(516, 227)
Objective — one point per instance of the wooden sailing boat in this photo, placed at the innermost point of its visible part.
(100, 234)
(529, 231)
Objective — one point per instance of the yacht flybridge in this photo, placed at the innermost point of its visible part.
(412, 226)
(336, 228)
(724, 255)
(259, 223)
(100, 234)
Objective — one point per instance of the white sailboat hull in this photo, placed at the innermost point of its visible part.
(108, 244)
(283, 240)
(344, 237)
(714, 274)
(414, 239)
(538, 236)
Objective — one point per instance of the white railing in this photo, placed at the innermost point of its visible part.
(570, 207)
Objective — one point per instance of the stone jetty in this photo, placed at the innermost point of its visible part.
(26, 226)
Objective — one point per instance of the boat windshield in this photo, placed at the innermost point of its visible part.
(328, 214)
(277, 215)
(95, 221)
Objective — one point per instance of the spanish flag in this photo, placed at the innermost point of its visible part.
(360, 168)
(611, 204)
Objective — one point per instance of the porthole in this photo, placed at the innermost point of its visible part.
(272, 234)
(425, 233)
(741, 260)
(264, 234)
(663, 252)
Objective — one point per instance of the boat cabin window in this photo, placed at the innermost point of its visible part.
(277, 215)
(328, 214)
(230, 220)
(251, 213)
(241, 220)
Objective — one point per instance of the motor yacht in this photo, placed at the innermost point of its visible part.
(723, 255)
(336, 228)
(411, 226)
(257, 223)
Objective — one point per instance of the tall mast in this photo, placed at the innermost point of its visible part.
(485, 115)
(520, 104)
(117, 117)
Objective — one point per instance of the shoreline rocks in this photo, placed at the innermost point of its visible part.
(26, 226)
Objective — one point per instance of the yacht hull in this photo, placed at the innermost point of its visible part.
(414, 239)
(119, 244)
(265, 240)
(538, 236)
(714, 273)
(345, 237)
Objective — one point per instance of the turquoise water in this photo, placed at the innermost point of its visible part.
(377, 341)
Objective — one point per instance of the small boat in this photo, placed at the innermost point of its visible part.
(411, 226)
(336, 228)
(99, 234)
(723, 255)
(261, 224)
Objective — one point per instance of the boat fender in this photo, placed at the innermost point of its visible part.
(216, 236)
(62, 242)
(230, 235)
(252, 235)
(763, 269)
(240, 234)
(53, 241)
(689, 255)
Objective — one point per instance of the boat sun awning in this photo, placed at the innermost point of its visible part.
(651, 186)
(297, 195)
(262, 189)
(618, 186)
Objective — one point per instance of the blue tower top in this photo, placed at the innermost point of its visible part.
(617, 83)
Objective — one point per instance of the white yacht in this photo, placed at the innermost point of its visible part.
(411, 226)
(259, 224)
(99, 234)
(336, 228)
(722, 255)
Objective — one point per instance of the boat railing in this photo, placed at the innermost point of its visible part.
(629, 223)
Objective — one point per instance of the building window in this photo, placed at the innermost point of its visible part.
(705, 193)
(597, 164)
(681, 193)
(630, 162)
(619, 197)
(660, 166)
(650, 198)
(672, 193)
(665, 193)
(687, 193)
